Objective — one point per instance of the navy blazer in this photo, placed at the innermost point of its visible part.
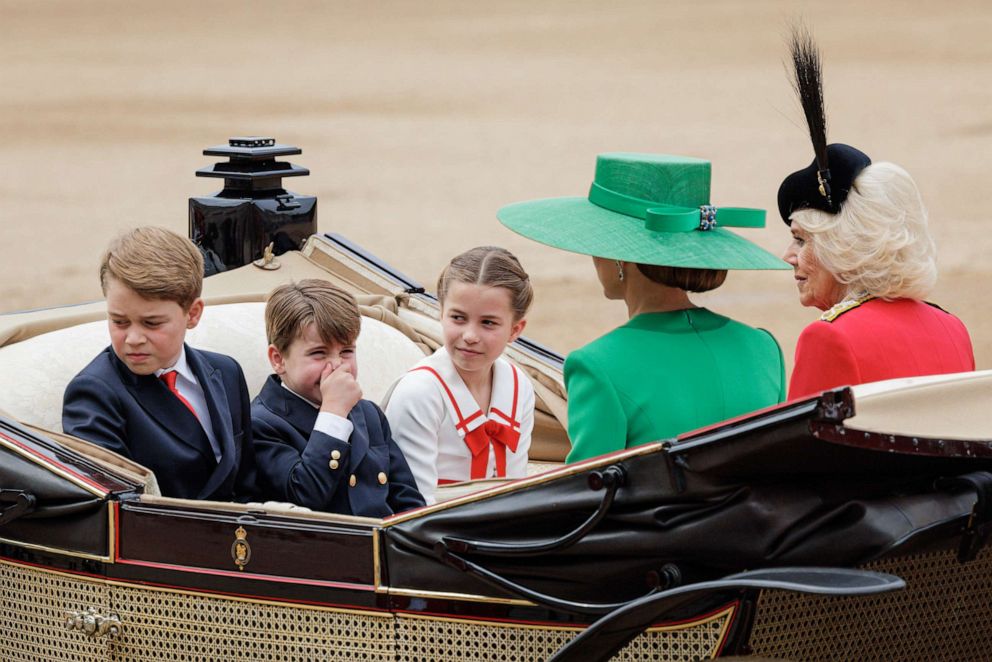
(367, 475)
(138, 417)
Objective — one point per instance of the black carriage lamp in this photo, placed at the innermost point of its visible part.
(235, 225)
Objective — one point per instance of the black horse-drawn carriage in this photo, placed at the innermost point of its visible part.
(684, 549)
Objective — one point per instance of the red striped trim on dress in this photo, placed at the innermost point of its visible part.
(512, 418)
(463, 422)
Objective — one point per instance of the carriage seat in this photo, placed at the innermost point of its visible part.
(35, 372)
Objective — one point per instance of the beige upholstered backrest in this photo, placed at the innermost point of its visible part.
(35, 372)
(938, 407)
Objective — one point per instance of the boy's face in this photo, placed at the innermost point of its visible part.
(302, 364)
(147, 334)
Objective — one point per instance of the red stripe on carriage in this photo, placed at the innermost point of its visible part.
(282, 579)
(52, 461)
(116, 513)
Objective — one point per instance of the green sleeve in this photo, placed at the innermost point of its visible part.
(781, 366)
(597, 423)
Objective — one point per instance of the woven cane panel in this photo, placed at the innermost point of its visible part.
(422, 640)
(32, 626)
(943, 614)
(167, 626)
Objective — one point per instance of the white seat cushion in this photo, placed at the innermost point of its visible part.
(35, 372)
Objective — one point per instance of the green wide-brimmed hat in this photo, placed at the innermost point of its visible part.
(646, 208)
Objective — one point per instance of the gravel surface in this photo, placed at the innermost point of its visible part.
(419, 119)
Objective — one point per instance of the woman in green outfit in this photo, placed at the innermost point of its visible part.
(673, 367)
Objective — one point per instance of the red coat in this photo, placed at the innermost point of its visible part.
(876, 340)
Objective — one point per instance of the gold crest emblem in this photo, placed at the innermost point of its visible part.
(241, 550)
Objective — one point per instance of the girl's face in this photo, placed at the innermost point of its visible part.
(817, 286)
(478, 321)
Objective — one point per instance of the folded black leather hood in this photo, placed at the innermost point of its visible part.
(53, 497)
(764, 491)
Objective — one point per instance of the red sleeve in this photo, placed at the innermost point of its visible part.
(964, 342)
(823, 360)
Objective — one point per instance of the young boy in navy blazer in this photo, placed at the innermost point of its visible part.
(181, 412)
(318, 443)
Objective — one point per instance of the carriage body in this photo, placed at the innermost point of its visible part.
(96, 566)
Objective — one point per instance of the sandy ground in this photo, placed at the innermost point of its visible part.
(419, 119)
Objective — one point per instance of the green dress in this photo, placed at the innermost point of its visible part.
(662, 374)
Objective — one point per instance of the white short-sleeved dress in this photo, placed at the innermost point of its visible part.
(445, 435)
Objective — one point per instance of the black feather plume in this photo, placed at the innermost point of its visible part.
(808, 84)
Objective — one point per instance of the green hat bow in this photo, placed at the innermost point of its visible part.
(660, 217)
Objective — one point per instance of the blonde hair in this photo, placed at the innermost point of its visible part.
(879, 242)
(156, 263)
(292, 307)
(491, 266)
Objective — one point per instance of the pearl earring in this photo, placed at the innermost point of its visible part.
(620, 270)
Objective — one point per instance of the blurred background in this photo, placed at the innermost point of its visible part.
(418, 120)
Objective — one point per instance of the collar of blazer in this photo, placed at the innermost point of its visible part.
(174, 417)
(218, 402)
(302, 415)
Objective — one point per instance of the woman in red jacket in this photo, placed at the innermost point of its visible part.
(863, 254)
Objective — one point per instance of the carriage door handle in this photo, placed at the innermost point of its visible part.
(22, 503)
(93, 624)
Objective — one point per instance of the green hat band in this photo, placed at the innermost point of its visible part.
(659, 217)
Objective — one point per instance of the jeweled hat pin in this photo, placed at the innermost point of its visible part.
(646, 208)
(825, 183)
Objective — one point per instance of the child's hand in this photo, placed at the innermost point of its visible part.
(339, 392)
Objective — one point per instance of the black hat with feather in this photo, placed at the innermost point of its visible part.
(825, 183)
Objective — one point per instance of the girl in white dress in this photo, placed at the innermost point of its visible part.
(465, 412)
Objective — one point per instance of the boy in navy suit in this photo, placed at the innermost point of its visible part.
(181, 412)
(319, 444)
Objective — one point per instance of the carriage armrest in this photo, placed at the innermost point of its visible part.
(105, 458)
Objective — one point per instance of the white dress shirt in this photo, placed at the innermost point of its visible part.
(190, 388)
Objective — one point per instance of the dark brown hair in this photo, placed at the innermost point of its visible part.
(690, 280)
(293, 306)
(493, 267)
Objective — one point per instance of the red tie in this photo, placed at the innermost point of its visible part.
(170, 382)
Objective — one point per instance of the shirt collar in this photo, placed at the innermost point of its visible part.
(306, 400)
(180, 366)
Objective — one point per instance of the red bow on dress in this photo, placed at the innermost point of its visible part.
(500, 437)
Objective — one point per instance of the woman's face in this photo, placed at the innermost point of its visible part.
(608, 272)
(817, 286)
